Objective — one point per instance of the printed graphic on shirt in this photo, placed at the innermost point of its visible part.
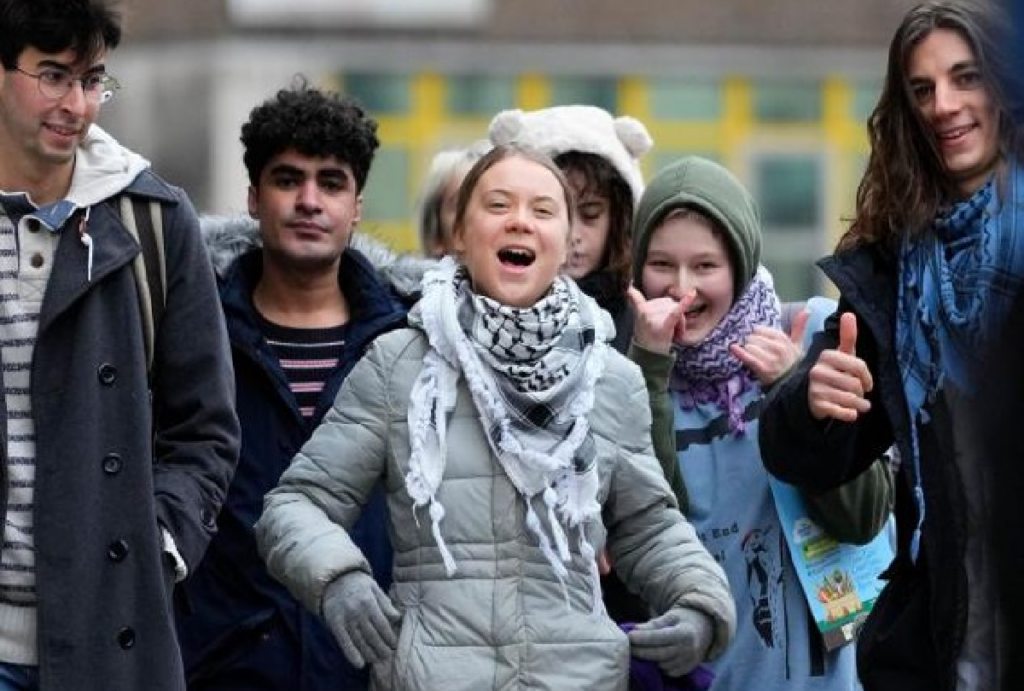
(764, 585)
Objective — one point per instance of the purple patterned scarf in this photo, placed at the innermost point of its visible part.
(708, 372)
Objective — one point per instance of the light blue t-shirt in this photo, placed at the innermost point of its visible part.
(777, 645)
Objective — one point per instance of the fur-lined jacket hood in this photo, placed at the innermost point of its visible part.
(229, 237)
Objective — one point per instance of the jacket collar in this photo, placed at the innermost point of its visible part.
(70, 277)
(228, 237)
(369, 299)
(866, 278)
(148, 184)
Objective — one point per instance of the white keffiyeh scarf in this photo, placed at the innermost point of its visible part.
(531, 373)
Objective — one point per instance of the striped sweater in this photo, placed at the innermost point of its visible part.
(26, 253)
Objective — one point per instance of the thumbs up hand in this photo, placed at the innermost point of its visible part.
(769, 352)
(659, 321)
(839, 381)
(848, 333)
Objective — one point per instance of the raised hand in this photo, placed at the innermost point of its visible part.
(839, 380)
(769, 353)
(659, 321)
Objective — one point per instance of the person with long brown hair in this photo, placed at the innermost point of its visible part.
(926, 274)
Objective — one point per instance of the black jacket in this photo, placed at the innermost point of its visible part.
(913, 636)
(605, 289)
(234, 612)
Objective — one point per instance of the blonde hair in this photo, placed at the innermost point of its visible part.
(446, 166)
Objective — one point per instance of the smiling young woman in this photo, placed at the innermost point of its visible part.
(599, 155)
(514, 444)
(512, 228)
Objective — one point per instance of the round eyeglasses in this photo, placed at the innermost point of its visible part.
(55, 83)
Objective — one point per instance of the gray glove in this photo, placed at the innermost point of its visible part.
(677, 640)
(361, 617)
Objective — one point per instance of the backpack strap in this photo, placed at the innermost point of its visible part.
(144, 220)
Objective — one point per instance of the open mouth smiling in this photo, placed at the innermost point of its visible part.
(516, 256)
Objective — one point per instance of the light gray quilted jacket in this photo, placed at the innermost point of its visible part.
(502, 621)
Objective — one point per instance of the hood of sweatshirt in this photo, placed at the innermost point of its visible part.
(103, 169)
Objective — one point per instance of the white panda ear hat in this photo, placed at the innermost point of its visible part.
(587, 129)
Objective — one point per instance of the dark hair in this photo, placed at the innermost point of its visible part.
(494, 156)
(86, 27)
(313, 123)
(906, 182)
(601, 178)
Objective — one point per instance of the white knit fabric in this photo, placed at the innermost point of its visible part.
(586, 129)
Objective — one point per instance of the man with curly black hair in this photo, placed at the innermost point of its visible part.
(301, 307)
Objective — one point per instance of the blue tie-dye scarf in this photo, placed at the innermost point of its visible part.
(957, 283)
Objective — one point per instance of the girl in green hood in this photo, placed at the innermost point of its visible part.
(708, 327)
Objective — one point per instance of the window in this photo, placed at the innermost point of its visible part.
(386, 197)
(783, 102)
(380, 94)
(865, 96)
(795, 281)
(578, 90)
(480, 95)
(678, 100)
(790, 190)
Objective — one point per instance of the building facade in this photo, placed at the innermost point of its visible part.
(777, 91)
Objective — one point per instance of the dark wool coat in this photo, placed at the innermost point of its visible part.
(914, 633)
(102, 491)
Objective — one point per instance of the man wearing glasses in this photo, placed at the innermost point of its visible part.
(113, 468)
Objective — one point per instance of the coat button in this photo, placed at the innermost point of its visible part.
(117, 550)
(112, 463)
(209, 518)
(126, 638)
(107, 374)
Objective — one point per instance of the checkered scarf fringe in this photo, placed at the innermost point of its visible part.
(531, 373)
